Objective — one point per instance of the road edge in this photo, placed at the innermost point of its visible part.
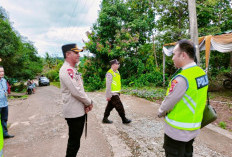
(219, 130)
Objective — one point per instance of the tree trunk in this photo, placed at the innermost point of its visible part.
(153, 39)
(193, 27)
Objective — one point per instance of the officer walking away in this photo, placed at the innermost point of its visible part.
(184, 103)
(4, 104)
(113, 88)
(76, 103)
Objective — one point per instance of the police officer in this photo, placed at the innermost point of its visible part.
(184, 103)
(4, 104)
(76, 103)
(113, 88)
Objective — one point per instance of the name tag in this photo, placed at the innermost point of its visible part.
(202, 81)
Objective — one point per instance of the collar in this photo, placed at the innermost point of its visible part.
(114, 71)
(71, 67)
(189, 65)
(67, 63)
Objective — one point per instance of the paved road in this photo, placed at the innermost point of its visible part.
(40, 130)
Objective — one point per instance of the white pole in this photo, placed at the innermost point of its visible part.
(193, 26)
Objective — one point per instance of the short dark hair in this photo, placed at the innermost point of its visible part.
(188, 47)
(114, 61)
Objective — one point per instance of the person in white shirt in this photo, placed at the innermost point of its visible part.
(76, 103)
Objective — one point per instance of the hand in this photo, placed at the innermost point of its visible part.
(108, 99)
(88, 108)
(159, 115)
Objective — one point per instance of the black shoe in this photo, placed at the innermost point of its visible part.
(8, 136)
(105, 120)
(126, 121)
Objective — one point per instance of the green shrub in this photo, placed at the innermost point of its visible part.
(18, 87)
(52, 75)
(222, 124)
(95, 83)
(56, 84)
(155, 78)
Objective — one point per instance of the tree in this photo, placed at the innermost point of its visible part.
(3, 13)
(213, 17)
(122, 31)
(50, 62)
(19, 57)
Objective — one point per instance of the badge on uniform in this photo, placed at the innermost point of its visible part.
(173, 84)
(70, 72)
(202, 81)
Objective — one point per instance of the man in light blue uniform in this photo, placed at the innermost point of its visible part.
(4, 104)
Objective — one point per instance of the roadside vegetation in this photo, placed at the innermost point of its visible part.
(56, 84)
(18, 54)
(18, 97)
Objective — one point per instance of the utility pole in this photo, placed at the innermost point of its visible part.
(193, 27)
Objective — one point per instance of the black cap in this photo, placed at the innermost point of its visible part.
(114, 61)
(70, 47)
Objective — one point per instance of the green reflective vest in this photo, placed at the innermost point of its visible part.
(1, 140)
(187, 114)
(116, 81)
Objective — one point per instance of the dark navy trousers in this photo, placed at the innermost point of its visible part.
(4, 118)
(75, 127)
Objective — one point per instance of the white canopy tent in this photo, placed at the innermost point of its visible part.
(221, 43)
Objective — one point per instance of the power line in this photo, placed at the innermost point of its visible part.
(83, 17)
(68, 25)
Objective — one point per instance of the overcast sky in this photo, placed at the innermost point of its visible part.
(51, 23)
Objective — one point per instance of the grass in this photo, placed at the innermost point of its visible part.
(222, 125)
(24, 97)
(18, 97)
(56, 84)
(149, 93)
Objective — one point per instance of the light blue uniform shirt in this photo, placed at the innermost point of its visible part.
(3, 91)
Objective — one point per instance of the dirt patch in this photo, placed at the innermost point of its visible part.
(222, 103)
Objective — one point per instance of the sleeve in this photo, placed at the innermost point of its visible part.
(5, 85)
(75, 88)
(108, 85)
(176, 92)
